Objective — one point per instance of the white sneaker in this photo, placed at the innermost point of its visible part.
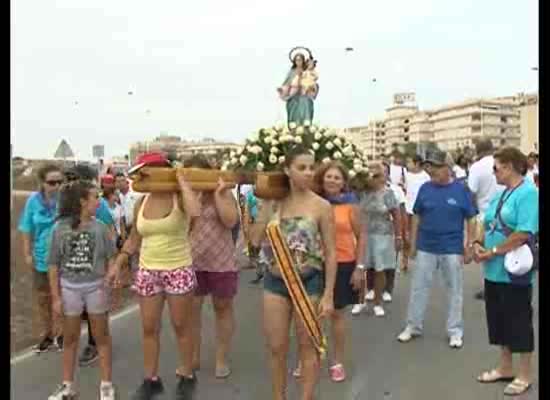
(358, 309)
(456, 342)
(386, 297)
(406, 335)
(370, 295)
(107, 391)
(64, 392)
(379, 311)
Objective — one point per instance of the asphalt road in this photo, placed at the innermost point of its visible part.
(378, 367)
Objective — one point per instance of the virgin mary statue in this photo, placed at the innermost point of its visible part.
(300, 87)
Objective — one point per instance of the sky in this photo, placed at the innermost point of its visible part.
(210, 68)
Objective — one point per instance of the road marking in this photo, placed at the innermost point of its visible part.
(25, 354)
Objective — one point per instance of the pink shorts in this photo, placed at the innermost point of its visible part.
(218, 284)
(175, 282)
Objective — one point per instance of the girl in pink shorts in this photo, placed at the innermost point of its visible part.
(165, 274)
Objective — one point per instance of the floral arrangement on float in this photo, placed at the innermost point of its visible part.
(264, 151)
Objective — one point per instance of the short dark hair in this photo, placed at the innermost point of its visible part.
(82, 172)
(514, 157)
(484, 146)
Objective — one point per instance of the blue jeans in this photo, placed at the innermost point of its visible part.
(451, 266)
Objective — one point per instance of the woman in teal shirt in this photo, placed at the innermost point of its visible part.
(510, 221)
(36, 225)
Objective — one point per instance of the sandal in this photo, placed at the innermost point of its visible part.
(493, 377)
(517, 387)
(223, 372)
(297, 373)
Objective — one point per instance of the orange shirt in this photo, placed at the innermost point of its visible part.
(345, 236)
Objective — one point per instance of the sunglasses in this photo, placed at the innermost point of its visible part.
(54, 182)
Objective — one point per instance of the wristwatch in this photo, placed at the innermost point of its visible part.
(361, 267)
(494, 251)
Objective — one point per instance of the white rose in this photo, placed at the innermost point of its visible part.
(274, 150)
(234, 160)
(281, 159)
(274, 142)
(351, 173)
(341, 135)
(358, 168)
(318, 136)
(300, 130)
(232, 154)
(313, 128)
(315, 146)
(357, 161)
(267, 139)
(307, 122)
(329, 146)
(348, 151)
(337, 155)
(260, 166)
(337, 142)
(243, 159)
(312, 152)
(224, 167)
(279, 127)
(258, 149)
(292, 125)
(298, 139)
(326, 160)
(273, 159)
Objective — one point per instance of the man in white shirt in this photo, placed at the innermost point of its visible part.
(482, 182)
(397, 170)
(415, 178)
(128, 199)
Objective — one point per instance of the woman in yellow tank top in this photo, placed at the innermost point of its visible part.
(165, 273)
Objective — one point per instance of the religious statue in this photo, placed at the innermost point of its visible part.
(300, 87)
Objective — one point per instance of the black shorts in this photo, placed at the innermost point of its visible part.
(344, 295)
(510, 316)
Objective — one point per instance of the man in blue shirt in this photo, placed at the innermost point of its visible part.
(437, 240)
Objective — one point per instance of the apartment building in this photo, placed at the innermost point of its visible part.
(529, 115)
(451, 127)
(182, 148)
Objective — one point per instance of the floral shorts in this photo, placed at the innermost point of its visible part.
(175, 282)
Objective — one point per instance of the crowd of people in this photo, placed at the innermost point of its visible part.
(87, 236)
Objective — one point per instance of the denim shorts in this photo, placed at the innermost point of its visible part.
(94, 297)
(313, 284)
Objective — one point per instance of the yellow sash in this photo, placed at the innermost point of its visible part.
(300, 300)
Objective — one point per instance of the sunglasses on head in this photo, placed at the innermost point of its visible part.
(54, 182)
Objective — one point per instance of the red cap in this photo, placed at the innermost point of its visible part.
(107, 179)
(153, 159)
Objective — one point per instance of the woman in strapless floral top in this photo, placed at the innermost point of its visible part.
(307, 223)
